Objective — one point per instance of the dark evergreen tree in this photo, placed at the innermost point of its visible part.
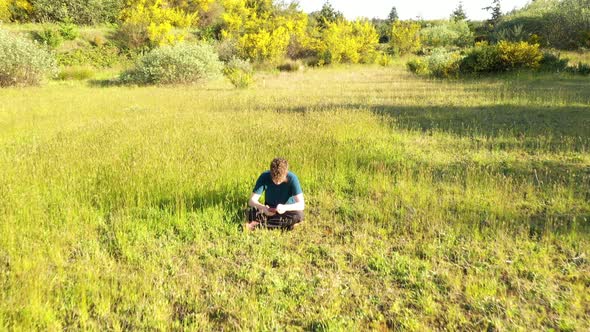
(328, 15)
(496, 13)
(392, 17)
(459, 13)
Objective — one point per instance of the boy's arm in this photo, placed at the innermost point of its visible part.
(255, 203)
(299, 205)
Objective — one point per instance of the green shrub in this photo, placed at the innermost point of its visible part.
(22, 62)
(552, 63)
(438, 36)
(69, 30)
(178, 64)
(482, 58)
(87, 12)
(418, 66)
(227, 49)
(448, 34)
(514, 33)
(132, 37)
(444, 64)
(239, 72)
(519, 55)
(559, 24)
(441, 63)
(75, 73)
(504, 56)
(48, 36)
(485, 58)
(99, 57)
(580, 68)
(290, 65)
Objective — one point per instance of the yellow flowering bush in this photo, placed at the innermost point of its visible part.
(19, 10)
(348, 42)
(519, 54)
(263, 30)
(154, 22)
(4, 11)
(405, 37)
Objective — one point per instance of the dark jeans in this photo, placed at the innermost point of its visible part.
(281, 221)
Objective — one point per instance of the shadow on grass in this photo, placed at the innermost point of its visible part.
(557, 129)
(233, 200)
(494, 121)
(548, 128)
(109, 83)
(106, 83)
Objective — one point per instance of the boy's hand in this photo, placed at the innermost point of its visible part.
(281, 209)
(266, 210)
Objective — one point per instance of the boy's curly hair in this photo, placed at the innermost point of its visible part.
(278, 169)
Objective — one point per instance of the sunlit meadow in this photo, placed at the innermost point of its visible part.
(459, 205)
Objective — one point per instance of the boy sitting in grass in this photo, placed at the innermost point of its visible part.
(284, 204)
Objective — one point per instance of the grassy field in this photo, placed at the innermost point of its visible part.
(430, 204)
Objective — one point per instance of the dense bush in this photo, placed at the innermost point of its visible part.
(148, 24)
(227, 49)
(265, 45)
(132, 37)
(515, 33)
(5, 11)
(560, 24)
(239, 72)
(552, 63)
(482, 58)
(23, 62)
(262, 29)
(86, 12)
(441, 63)
(105, 56)
(178, 64)
(348, 42)
(444, 64)
(20, 10)
(405, 37)
(69, 30)
(519, 55)
(49, 36)
(451, 33)
(504, 56)
(580, 68)
(418, 66)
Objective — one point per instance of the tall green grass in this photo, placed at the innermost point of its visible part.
(431, 204)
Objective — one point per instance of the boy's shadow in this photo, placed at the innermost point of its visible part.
(233, 201)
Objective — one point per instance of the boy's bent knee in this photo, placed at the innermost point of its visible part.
(298, 216)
